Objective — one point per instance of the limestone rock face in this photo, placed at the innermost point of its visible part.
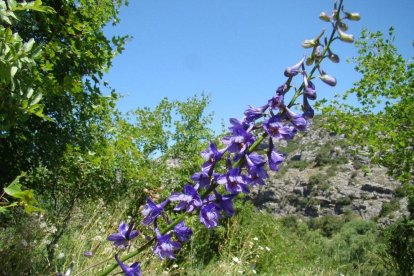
(321, 175)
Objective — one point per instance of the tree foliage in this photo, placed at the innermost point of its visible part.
(381, 123)
(57, 62)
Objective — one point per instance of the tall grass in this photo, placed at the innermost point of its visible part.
(250, 243)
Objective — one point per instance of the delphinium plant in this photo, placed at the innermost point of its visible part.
(237, 164)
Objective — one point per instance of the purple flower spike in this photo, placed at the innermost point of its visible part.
(189, 200)
(165, 247)
(253, 113)
(209, 215)
(275, 158)
(310, 90)
(133, 270)
(235, 183)
(294, 70)
(299, 121)
(276, 129)
(152, 211)
(211, 155)
(182, 232)
(125, 234)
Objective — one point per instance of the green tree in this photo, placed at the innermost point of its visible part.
(381, 123)
(382, 126)
(67, 74)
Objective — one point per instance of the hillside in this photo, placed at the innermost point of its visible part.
(323, 176)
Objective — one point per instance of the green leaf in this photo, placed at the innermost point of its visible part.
(3, 210)
(29, 45)
(13, 71)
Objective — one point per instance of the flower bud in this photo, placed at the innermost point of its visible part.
(310, 90)
(294, 70)
(333, 57)
(309, 61)
(343, 26)
(318, 52)
(324, 17)
(345, 37)
(335, 14)
(352, 16)
(310, 43)
(328, 79)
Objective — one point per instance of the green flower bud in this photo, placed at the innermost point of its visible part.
(345, 37)
(324, 17)
(352, 16)
(343, 26)
(333, 57)
(310, 43)
(309, 61)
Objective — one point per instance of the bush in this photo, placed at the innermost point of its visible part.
(400, 245)
(327, 225)
(389, 207)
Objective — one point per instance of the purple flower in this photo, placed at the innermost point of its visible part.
(211, 155)
(276, 102)
(310, 90)
(182, 232)
(133, 270)
(152, 211)
(189, 200)
(275, 158)
(294, 70)
(125, 234)
(165, 247)
(235, 183)
(276, 129)
(256, 169)
(202, 179)
(239, 142)
(298, 121)
(225, 203)
(253, 113)
(209, 215)
(239, 127)
(87, 253)
(308, 112)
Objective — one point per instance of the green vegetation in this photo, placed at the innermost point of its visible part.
(252, 242)
(381, 124)
(382, 128)
(63, 139)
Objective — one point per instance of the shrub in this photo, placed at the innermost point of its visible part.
(389, 207)
(400, 245)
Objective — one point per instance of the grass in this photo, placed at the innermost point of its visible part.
(250, 243)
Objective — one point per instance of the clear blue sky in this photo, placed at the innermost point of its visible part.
(234, 50)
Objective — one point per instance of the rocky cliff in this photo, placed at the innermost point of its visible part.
(322, 175)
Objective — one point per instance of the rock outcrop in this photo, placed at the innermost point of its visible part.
(322, 176)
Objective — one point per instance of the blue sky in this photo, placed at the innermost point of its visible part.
(234, 50)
